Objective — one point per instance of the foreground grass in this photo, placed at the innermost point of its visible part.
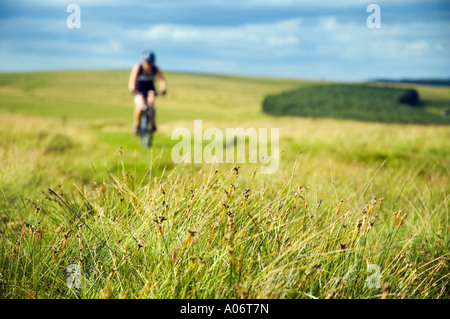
(140, 226)
(224, 234)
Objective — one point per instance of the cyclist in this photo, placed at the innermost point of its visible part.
(141, 83)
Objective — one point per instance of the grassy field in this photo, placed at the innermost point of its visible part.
(77, 189)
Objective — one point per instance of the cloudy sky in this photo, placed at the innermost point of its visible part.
(315, 39)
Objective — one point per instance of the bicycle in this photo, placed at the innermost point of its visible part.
(146, 120)
(145, 125)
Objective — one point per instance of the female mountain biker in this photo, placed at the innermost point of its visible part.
(141, 83)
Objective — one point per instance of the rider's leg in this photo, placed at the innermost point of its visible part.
(139, 102)
(151, 102)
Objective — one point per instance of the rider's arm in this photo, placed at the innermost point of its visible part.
(162, 81)
(132, 79)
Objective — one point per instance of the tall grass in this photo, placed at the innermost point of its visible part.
(224, 234)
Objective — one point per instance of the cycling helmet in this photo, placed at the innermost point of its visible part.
(149, 56)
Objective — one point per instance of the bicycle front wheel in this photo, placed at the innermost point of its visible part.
(146, 133)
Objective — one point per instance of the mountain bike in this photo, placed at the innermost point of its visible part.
(146, 120)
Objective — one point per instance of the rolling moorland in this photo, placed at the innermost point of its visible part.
(350, 196)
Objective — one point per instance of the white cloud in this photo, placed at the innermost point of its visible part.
(326, 36)
(417, 46)
(107, 47)
(276, 34)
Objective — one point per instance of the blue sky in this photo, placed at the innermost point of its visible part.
(312, 39)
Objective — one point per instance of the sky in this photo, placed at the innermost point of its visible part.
(308, 39)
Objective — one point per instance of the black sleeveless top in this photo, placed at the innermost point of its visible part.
(144, 82)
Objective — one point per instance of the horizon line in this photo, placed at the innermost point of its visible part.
(243, 75)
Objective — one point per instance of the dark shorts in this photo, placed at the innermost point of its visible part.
(144, 87)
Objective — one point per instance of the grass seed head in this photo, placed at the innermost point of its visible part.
(396, 215)
(402, 221)
(339, 207)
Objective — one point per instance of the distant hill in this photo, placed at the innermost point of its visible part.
(353, 101)
(438, 82)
